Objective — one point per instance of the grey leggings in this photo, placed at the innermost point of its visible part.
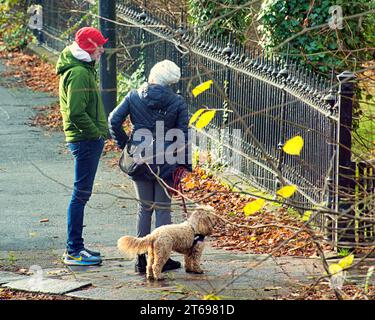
(152, 197)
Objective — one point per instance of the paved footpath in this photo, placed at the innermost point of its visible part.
(36, 172)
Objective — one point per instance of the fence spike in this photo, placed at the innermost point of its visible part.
(316, 91)
(265, 66)
(283, 73)
(228, 50)
(201, 42)
(256, 59)
(211, 47)
(143, 16)
(215, 50)
(207, 45)
(296, 75)
(274, 66)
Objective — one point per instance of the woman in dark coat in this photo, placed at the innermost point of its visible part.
(154, 111)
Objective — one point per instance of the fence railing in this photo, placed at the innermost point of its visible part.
(264, 100)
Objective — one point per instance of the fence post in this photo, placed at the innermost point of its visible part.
(282, 75)
(227, 51)
(328, 223)
(345, 169)
(224, 134)
(180, 32)
(142, 40)
(108, 70)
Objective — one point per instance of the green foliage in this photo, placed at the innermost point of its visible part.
(88, 19)
(323, 48)
(126, 83)
(14, 31)
(343, 252)
(363, 143)
(11, 258)
(234, 20)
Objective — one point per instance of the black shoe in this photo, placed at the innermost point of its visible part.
(171, 265)
(141, 264)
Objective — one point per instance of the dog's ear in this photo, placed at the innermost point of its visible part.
(206, 223)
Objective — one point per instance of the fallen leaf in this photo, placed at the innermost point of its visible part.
(306, 215)
(287, 191)
(272, 288)
(211, 297)
(190, 185)
(334, 269)
(346, 262)
(254, 206)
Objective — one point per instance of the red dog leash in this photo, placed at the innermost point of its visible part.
(177, 177)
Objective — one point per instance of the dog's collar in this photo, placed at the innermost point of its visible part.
(198, 238)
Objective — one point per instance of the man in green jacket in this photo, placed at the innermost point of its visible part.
(85, 128)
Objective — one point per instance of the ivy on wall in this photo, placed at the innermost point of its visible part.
(312, 41)
(221, 17)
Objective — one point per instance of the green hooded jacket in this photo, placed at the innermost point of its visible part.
(81, 105)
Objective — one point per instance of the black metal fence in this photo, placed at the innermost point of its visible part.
(263, 100)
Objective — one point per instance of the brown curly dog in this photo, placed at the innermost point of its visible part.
(185, 238)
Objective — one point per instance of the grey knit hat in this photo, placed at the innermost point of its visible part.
(164, 73)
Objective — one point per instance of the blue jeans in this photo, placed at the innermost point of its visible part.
(86, 159)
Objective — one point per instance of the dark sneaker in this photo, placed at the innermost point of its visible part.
(171, 265)
(93, 253)
(82, 258)
(141, 264)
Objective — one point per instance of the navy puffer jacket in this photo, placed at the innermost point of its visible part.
(147, 105)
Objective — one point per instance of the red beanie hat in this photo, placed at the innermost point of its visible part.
(89, 39)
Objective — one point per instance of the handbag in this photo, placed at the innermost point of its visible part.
(128, 163)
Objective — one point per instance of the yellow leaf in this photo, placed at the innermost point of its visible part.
(253, 206)
(294, 146)
(186, 179)
(306, 215)
(190, 185)
(195, 116)
(334, 268)
(347, 261)
(287, 191)
(205, 119)
(202, 87)
(211, 297)
(253, 238)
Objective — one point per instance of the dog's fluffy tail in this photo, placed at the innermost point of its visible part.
(130, 246)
